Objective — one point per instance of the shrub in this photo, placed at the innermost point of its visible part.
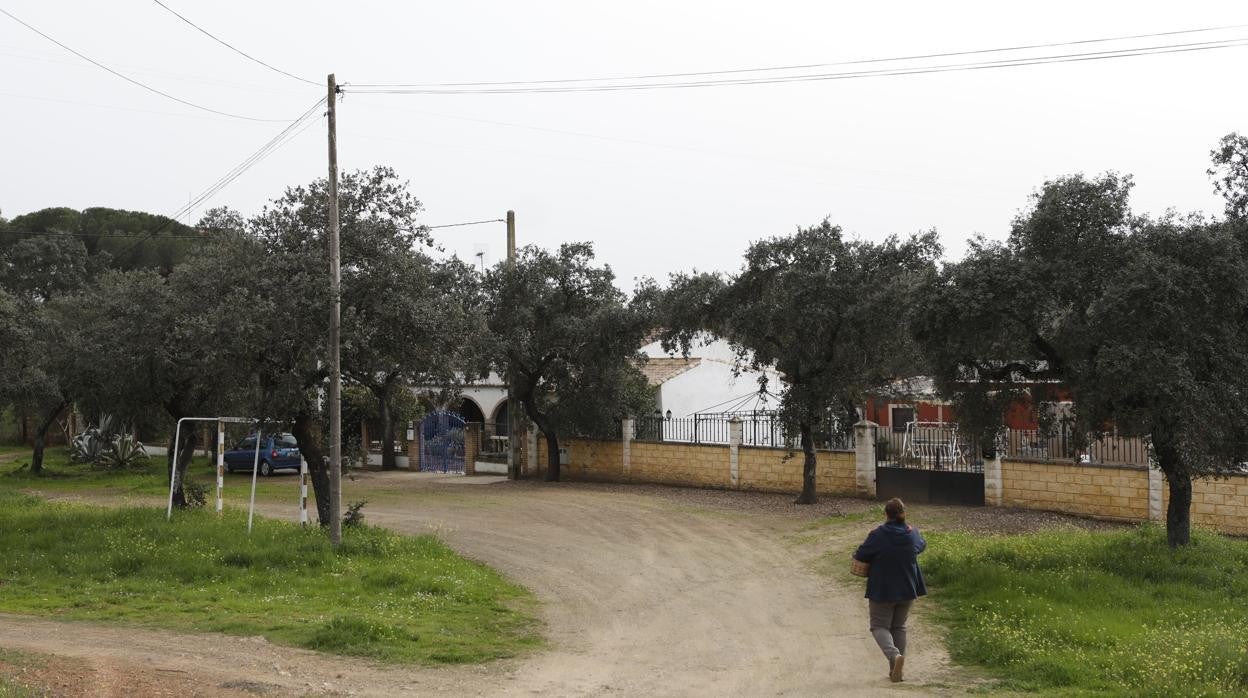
(355, 514)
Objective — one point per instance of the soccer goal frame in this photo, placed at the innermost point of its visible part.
(255, 468)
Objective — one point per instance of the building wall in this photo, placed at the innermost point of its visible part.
(1102, 491)
(710, 386)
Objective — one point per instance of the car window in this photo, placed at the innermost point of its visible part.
(247, 444)
(286, 441)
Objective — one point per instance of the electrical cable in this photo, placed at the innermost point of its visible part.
(886, 72)
(287, 134)
(132, 80)
(233, 48)
(947, 54)
(456, 225)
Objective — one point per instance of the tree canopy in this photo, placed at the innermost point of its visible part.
(1142, 321)
(570, 340)
(828, 313)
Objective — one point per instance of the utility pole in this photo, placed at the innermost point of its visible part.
(335, 329)
(513, 405)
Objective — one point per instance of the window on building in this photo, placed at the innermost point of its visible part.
(899, 417)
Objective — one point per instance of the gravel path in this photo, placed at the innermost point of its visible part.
(646, 591)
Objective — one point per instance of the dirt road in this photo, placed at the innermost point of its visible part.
(645, 591)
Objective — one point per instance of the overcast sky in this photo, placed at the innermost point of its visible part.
(660, 180)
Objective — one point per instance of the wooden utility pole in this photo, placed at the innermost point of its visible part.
(335, 329)
(513, 405)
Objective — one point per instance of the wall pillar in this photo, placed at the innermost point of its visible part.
(472, 439)
(530, 451)
(734, 450)
(413, 447)
(994, 486)
(626, 443)
(864, 458)
(1156, 485)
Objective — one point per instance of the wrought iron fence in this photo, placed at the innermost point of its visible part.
(757, 429)
(1060, 444)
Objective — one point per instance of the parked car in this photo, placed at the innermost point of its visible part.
(277, 452)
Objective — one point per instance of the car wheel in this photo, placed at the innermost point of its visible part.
(266, 469)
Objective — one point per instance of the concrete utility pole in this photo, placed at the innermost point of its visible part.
(513, 405)
(335, 319)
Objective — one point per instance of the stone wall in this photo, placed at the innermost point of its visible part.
(1103, 491)
(1220, 504)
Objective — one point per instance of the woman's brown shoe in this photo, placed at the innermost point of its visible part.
(895, 675)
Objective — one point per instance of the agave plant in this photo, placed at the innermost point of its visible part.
(123, 453)
(91, 443)
(108, 445)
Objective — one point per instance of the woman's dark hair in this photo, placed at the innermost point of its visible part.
(895, 510)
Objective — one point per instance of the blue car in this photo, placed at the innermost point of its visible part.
(278, 452)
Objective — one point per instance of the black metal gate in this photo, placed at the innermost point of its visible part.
(928, 462)
(442, 443)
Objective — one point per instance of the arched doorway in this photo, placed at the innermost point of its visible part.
(470, 410)
(500, 419)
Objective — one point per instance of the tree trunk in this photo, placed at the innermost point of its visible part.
(808, 495)
(1179, 510)
(388, 461)
(308, 433)
(552, 455)
(36, 456)
(182, 459)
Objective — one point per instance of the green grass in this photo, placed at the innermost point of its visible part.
(62, 476)
(1081, 613)
(381, 595)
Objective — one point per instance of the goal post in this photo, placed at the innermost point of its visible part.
(174, 478)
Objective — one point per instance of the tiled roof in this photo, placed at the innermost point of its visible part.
(661, 370)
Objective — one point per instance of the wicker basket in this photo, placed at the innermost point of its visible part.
(858, 568)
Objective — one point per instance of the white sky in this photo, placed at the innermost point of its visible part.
(661, 181)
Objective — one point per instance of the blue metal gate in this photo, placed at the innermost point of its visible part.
(442, 443)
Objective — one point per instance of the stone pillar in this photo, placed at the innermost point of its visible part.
(472, 440)
(864, 458)
(626, 441)
(734, 450)
(1156, 486)
(530, 451)
(993, 484)
(413, 448)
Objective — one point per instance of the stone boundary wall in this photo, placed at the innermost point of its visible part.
(1131, 493)
(1220, 504)
(1101, 491)
(702, 465)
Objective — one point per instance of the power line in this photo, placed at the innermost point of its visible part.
(456, 225)
(947, 54)
(849, 75)
(130, 79)
(233, 48)
(287, 134)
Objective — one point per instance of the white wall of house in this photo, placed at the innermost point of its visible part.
(710, 386)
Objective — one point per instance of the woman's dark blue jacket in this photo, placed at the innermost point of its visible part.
(893, 551)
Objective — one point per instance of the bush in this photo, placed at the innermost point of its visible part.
(195, 493)
(355, 514)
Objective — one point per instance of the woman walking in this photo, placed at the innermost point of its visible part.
(894, 581)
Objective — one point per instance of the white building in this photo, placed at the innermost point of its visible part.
(704, 382)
